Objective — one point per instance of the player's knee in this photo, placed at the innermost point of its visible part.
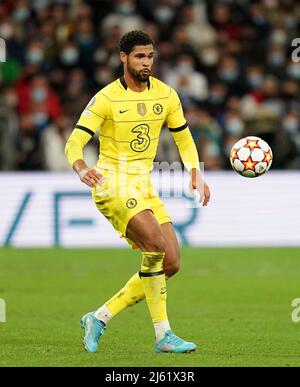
(172, 267)
(154, 243)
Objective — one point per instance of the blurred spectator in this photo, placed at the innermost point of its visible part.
(207, 134)
(229, 73)
(86, 42)
(229, 61)
(9, 127)
(124, 16)
(62, 21)
(167, 149)
(53, 142)
(234, 129)
(29, 152)
(291, 126)
(195, 17)
(38, 100)
(190, 84)
(69, 55)
(76, 94)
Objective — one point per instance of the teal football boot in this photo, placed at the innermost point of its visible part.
(174, 344)
(94, 328)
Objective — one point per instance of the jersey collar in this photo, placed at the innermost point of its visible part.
(124, 84)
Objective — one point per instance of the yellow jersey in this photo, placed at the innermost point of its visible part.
(129, 125)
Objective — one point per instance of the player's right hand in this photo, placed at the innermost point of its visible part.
(91, 177)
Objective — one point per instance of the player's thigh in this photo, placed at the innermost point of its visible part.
(145, 231)
(172, 249)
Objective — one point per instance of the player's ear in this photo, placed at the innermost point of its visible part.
(123, 57)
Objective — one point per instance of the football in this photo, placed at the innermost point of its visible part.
(251, 156)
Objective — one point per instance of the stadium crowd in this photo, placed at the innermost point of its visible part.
(230, 61)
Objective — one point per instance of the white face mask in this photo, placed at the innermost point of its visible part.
(255, 80)
(185, 68)
(293, 71)
(210, 57)
(40, 4)
(39, 94)
(125, 8)
(212, 149)
(163, 14)
(291, 125)
(279, 37)
(21, 14)
(34, 56)
(69, 56)
(234, 126)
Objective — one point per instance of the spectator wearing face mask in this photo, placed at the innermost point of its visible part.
(69, 55)
(293, 71)
(47, 35)
(22, 11)
(229, 72)
(103, 75)
(190, 84)
(61, 19)
(37, 99)
(207, 134)
(234, 46)
(9, 128)
(125, 16)
(254, 77)
(224, 23)
(36, 60)
(216, 102)
(209, 57)
(195, 17)
(234, 129)
(35, 53)
(291, 126)
(181, 43)
(85, 40)
(276, 59)
(163, 14)
(290, 93)
(77, 92)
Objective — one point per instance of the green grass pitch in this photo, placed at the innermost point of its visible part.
(234, 303)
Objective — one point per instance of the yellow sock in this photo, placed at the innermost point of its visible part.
(130, 294)
(154, 283)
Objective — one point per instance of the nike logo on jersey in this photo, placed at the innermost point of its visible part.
(123, 111)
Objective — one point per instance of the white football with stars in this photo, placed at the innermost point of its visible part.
(251, 156)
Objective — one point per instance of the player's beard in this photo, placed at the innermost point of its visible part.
(138, 75)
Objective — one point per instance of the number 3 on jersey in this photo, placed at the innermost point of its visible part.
(142, 141)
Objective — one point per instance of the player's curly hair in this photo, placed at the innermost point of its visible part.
(134, 38)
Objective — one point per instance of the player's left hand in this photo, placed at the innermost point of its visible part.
(197, 183)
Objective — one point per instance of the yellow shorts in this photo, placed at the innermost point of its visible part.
(123, 196)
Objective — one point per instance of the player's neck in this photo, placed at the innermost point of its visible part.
(134, 84)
